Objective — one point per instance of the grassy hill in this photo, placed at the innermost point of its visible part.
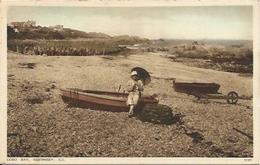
(49, 33)
(47, 40)
(46, 33)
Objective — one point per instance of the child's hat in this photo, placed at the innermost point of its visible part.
(134, 73)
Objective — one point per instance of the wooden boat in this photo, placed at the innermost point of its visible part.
(202, 88)
(102, 99)
(206, 91)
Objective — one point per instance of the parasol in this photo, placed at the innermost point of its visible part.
(143, 75)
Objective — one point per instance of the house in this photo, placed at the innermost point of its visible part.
(57, 27)
(22, 24)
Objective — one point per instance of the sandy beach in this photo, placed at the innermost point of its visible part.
(50, 128)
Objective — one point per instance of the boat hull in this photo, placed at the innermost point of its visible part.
(203, 88)
(102, 99)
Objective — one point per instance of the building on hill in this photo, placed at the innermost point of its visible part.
(57, 27)
(15, 24)
(22, 24)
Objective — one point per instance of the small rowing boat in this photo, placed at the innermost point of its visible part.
(95, 99)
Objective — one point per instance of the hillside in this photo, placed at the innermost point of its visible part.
(49, 33)
(38, 32)
(37, 40)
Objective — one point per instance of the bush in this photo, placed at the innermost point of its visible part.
(194, 54)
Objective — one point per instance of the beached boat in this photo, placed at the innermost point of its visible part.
(94, 99)
(205, 88)
(207, 91)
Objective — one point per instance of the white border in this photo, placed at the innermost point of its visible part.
(256, 79)
(3, 85)
(130, 3)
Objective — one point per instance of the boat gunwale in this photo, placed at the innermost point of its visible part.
(197, 84)
(95, 91)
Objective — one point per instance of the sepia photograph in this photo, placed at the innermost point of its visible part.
(164, 81)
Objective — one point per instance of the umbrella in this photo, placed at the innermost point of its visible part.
(143, 75)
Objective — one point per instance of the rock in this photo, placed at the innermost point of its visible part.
(34, 129)
(37, 98)
(53, 86)
(232, 139)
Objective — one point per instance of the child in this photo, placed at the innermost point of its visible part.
(134, 88)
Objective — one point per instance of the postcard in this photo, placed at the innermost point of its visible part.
(147, 82)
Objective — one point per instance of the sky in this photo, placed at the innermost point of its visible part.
(197, 22)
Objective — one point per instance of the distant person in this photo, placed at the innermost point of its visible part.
(134, 88)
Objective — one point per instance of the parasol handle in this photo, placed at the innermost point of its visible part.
(119, 88)
(173, 82)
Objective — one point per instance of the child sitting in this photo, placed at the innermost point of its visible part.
(134, 88)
